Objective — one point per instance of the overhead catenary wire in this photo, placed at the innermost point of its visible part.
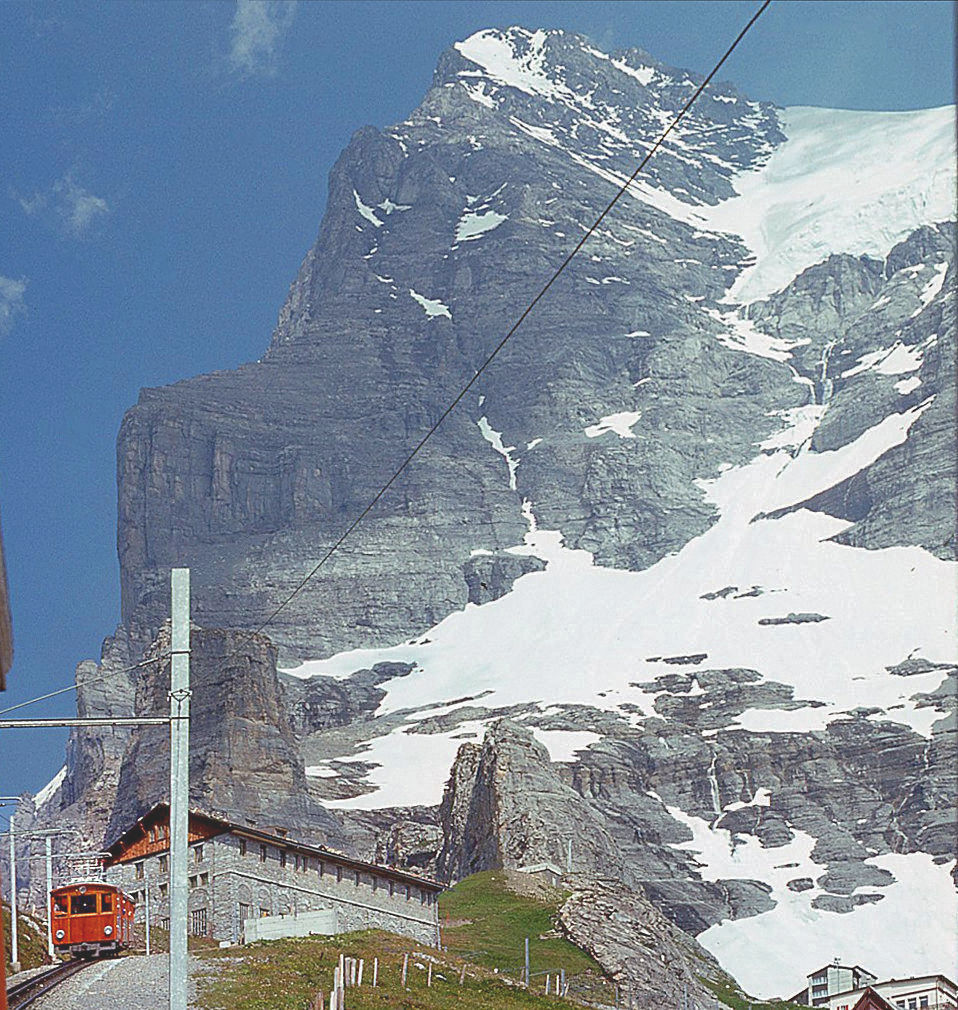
(301, 585)
(75, 686)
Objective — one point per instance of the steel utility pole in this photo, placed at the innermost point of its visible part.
(179, 782)
(49, 853)
(14, 945)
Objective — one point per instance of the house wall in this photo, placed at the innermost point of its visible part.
(231, 880)
(906, 994)
(832, 979)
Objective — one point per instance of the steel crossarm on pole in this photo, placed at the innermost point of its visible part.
(48, 723)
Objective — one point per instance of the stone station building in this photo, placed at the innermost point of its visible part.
(238, 873)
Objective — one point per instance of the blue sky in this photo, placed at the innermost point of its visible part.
(163, 171)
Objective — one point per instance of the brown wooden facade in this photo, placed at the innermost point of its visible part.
(151, 835)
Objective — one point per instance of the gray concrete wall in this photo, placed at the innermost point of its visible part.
(273, 927)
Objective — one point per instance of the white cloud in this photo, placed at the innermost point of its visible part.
(258, 30)
(11, 302)
(73, 208)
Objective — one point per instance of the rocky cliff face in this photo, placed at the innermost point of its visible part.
(693, 530)
(435, 232)
(244, 760)
(507, 807)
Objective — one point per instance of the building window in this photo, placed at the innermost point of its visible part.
(138, 867)
(913, 1004)
(204, 879)
(165, 924)
(198, 854)
(282, 857)
(164, 862)
(192, 883)
(375, 882)
(164, 890)
(262, 853)
(242, 846)
(339, 874)
(357, 878)
(322, 868)
(198, 922)
(922, 1001)
(305, 864)
(245, 912)
(392, 888)
(422, 897)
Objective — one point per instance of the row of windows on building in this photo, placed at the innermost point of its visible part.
(912, 1003)
(299, 864)
(303, 864)
(163, 862)
(198, 922)
(197, 880)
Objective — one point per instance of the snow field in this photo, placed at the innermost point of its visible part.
(833, 187)
(881, 607)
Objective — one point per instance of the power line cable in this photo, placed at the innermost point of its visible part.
(502, 343)
(91, 680)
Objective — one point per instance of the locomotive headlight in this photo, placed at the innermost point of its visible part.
(107, 930)
(60, 934)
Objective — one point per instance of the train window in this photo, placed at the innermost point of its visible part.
(60, 903)
(106, 902)
(83, 904)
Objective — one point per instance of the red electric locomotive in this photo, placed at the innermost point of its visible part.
(90, 920)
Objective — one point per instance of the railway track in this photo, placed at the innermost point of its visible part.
(25, 994)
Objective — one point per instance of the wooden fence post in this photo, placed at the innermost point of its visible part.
(375, 971)
(405, 965)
